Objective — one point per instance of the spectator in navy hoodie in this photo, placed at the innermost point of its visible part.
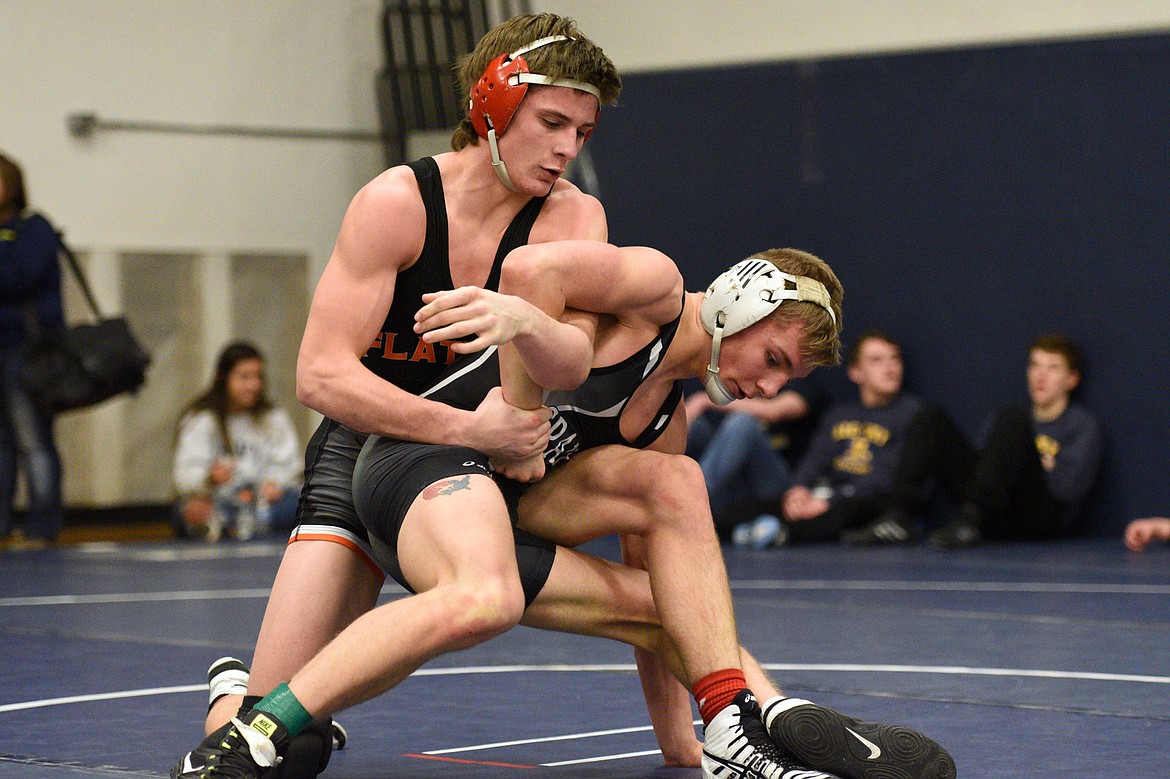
(30, 292)
(872, 465)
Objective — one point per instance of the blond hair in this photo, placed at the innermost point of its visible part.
(821, 344)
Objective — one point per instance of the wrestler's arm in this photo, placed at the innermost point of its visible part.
(627, 282)
(539, 339)
(630, 283)
(633, 284)
(382, 232)
(554, 345)
(528, 366)
(588, 276)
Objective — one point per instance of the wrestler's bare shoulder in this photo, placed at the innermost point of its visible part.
(569, 213)
(393, 187)
(385, 223)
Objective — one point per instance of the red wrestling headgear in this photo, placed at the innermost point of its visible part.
(497, 94)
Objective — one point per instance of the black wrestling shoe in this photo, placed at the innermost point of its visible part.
(736, 746)
(308, 752)
(242, 749)
(828, 741)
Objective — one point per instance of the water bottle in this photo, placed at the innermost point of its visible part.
(246, 513)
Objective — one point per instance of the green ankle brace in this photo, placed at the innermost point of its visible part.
(284, 706)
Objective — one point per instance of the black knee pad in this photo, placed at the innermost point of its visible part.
(308, 752)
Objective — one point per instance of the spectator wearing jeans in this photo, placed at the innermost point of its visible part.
(873, 463)
(747, 449)
(30, 296)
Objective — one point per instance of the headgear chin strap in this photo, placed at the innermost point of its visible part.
(497, 95)
(743, 295)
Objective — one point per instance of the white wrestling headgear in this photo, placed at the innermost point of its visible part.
(743, 295)
(497, 95)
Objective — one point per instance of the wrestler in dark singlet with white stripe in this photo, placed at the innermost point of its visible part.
(391, 474)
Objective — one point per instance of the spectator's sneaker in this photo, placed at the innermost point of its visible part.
(762, 532)
(957, 534)
(242, 749)
(781, 537)
(19, 542)
(892, 527)
(245, 525)
(213, 530)
(829, 741)
(736, 746)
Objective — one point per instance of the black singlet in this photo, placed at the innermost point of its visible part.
(398, 354)
(585, 417)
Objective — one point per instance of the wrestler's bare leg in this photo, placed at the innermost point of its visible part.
(595, 597)
(662, 499)
(457, 550)
(320, 588)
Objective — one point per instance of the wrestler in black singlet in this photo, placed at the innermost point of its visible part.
(397, 355)
(390, 474)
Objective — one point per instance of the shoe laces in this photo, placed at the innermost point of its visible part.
(757, 735)
(236, 759)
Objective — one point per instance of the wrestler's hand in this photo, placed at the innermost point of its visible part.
(527, 470)
(493, 318)
(503, 431)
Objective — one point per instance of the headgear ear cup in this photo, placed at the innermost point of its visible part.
(743, 295)
(494, 98)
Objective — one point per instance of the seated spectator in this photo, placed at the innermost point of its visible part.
(748, 449)
(238, 464)
(872, 463)
(1140, 532)
(1037, 465)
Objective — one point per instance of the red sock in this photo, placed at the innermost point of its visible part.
(715, 691)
